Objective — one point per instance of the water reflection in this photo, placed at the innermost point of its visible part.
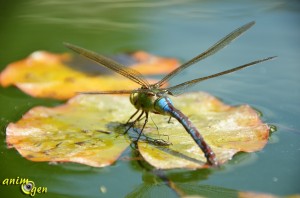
(92, 15)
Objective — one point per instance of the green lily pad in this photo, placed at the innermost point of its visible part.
(88, 129)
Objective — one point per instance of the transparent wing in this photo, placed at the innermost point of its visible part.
(110, 64)
(180, 88)
(212, 50)
(116, 91)
(107, 92)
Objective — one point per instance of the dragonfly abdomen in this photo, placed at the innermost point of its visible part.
(165, 106)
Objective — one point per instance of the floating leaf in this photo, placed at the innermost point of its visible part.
(60, 76)
(88, 130)
(147, 62)
(226, 129)
(78, 131)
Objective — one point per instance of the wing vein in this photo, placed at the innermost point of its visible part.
(212, 50)
(110, 64)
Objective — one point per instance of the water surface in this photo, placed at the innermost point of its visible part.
(179, 29)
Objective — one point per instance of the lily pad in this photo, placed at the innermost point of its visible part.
(79, 131)
(88, 129)
(60, 76)
(226, 129)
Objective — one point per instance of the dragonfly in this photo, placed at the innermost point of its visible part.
(154, 98)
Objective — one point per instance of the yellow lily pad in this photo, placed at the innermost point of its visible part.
(79, 131)
(44, 74)
(226, 129)
(88, 129)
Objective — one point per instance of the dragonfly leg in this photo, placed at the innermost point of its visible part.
(155, 124)
(132, 116)
(133, 123)
(146, 120)
(170, 120)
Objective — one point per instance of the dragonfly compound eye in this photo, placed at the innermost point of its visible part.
(133, 98)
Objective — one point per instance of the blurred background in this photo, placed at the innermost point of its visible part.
(180, 29)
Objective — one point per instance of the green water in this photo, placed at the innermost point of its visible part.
(179, 29)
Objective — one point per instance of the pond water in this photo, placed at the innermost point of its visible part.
(180, 29)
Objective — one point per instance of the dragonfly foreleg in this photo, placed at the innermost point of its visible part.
(132, 116)
(133, 123)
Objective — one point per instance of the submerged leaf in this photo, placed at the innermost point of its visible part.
(78, 130)
(60, 76)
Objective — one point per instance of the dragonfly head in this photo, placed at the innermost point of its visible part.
(145, 98)
(142, 99)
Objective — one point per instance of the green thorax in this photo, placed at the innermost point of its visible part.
(146, 100)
